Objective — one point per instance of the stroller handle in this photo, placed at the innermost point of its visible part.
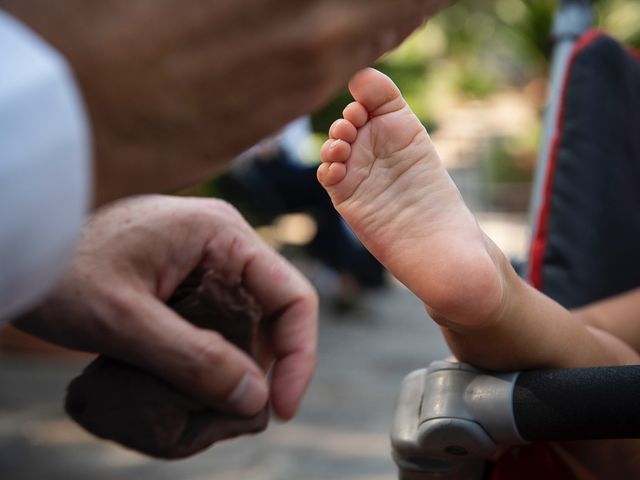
(451, 417)
(582, 403)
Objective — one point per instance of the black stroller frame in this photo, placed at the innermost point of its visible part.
(451, 418)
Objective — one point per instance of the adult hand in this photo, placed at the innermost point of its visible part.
(131, 258)
(175, 89)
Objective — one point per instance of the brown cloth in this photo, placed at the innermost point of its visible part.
(132, 407)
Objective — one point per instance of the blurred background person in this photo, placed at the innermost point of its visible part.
(272, 179)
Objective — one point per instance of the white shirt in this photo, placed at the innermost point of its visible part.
(45, 175)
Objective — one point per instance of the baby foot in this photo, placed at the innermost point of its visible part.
(385, 178)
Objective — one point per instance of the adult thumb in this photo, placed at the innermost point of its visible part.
(201, 363)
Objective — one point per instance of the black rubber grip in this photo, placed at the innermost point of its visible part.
(578, 404)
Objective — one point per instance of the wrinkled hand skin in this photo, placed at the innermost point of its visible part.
(120, 402)
(176, 89)
(131, 258)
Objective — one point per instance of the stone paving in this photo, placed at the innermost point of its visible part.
(341, 431)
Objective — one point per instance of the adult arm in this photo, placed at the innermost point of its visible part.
(131, 258)
(176, 89)
(44, 166)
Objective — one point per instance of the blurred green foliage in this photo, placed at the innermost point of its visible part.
(468, 53)
(476, 47)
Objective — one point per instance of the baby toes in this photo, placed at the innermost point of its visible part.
(331, 173)
(335, 151)
(356, 114)
(343, 130)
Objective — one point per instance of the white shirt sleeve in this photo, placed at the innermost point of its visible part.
(45, 166)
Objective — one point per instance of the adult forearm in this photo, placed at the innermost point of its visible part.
(144, 123)
(175, 89)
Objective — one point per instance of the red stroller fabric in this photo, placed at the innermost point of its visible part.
(531, 462)
(586, 241)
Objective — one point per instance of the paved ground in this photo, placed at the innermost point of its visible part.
(340, 433)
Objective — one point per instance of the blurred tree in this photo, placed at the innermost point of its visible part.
(476, 47)
(474, 50)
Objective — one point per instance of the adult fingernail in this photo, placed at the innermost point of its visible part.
(249, 396)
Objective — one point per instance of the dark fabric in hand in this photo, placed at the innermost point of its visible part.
(123, 403)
